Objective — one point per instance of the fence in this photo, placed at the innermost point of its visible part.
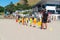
(55, 17)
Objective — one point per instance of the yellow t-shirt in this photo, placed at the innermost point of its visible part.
(26, 19)
(19, 20)
(39, 23)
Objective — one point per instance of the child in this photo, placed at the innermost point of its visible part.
(39, 23)
(31, 21)
(19, 20)
(23, 20)
(34, 22)
(16, 20)
(26, 20)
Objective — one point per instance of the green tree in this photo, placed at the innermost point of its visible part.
(22, 7)
(1, 9)
(26, 2)
(19, 6)
(11, 7)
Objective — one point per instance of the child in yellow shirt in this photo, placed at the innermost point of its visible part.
(26, 21)
(19, 20)
(39, 23)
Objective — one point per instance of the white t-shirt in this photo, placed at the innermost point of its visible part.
(40, 16)
(14, 14)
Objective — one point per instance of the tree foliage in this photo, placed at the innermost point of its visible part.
(26, 2)
(11, 7)
(22, 6)
(1, 9)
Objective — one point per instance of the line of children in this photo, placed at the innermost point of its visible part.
(40, 21)
(30, 21)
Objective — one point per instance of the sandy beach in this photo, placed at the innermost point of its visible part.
(10, 30)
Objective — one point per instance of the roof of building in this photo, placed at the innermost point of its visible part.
(47, 2)
(53, 2)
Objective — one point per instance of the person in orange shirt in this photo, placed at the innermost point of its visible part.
(34, 22)
(23, 20)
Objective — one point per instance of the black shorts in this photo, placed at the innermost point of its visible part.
(44, 20)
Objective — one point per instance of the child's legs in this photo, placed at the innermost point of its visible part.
(46, 25)
(42, 25)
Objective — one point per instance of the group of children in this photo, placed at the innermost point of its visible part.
(33, 22)
(41, 20)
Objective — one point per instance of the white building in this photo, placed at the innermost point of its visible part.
(50, 6)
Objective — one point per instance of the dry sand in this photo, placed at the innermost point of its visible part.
(10, 30)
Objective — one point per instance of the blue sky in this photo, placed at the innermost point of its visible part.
(6, 2)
